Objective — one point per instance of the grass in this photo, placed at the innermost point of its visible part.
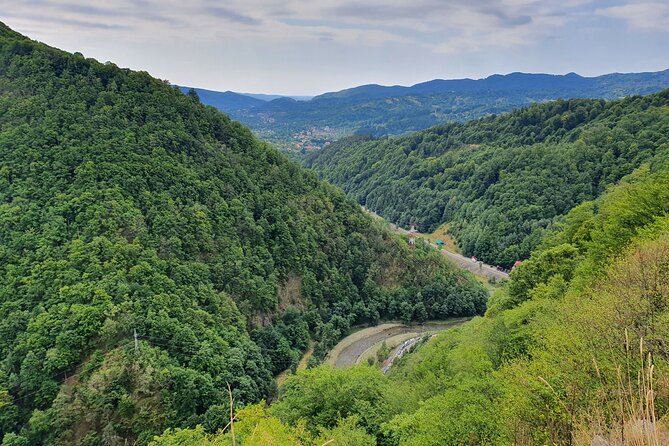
(634, 422)
(441, 233)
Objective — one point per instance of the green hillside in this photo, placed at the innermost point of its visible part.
(299, 127)
(501, 181)
(127, 208)
(571, 353)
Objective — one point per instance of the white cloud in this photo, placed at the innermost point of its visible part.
(444, 26)
(650, 16)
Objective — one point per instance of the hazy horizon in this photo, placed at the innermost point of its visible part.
(295, 49)
(411, 85)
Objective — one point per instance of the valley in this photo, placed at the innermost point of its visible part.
(167, 258)
(500, 182)
(172, 277)
(301, 127)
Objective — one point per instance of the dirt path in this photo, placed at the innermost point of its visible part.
(349, 349)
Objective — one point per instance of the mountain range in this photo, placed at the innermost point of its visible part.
(376, 110)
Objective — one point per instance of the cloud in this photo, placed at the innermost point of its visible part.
(647, 16)
(325, 44)
(452, 26)
(232, 16)
(442, 26)
(83, 24)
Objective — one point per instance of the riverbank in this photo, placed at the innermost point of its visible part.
(364, 343)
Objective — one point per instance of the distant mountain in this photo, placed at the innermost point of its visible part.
(390, 110)
(608, 85)
(226, 101)
(271, 97)
(500, 181)
(231, 102)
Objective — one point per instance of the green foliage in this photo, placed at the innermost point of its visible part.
(382, 353)
(11, 439)
(559, 261)
(126, 205)
(346, 433)
(253, 426)
(557, 359)
(501, 181)
(8, 412)
(457, 417)
(187, 437)
(324, 396)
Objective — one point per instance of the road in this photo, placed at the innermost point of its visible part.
(473, 266)
(478, 268)
(353, 346)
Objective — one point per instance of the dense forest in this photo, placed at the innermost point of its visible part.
(502, 180)
(153, 253)
(392, 110)
(573, 352)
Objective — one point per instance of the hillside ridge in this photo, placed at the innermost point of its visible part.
(302, 127)
(155, 255)
(500, 181)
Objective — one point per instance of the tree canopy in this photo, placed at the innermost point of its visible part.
(571, 352)
(501, 181)
(128, 207)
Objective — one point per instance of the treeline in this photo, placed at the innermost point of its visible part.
(128, 207)
(501, 181)
(571, 353)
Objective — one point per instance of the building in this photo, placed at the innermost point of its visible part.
(412, 235)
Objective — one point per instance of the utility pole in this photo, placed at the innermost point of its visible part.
(136, 343)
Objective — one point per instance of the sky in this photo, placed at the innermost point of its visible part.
(308, 47)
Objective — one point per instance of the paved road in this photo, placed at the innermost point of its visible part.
(480, 269)
(475, 267)
(350, 354)
(400, 351)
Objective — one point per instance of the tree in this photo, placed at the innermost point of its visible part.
(323, 396)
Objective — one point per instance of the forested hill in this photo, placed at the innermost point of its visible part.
(392, 110)
(500, 181)
(571, 353)
(226, 101)
(128, 207)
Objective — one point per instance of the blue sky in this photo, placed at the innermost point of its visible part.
(309, 47)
